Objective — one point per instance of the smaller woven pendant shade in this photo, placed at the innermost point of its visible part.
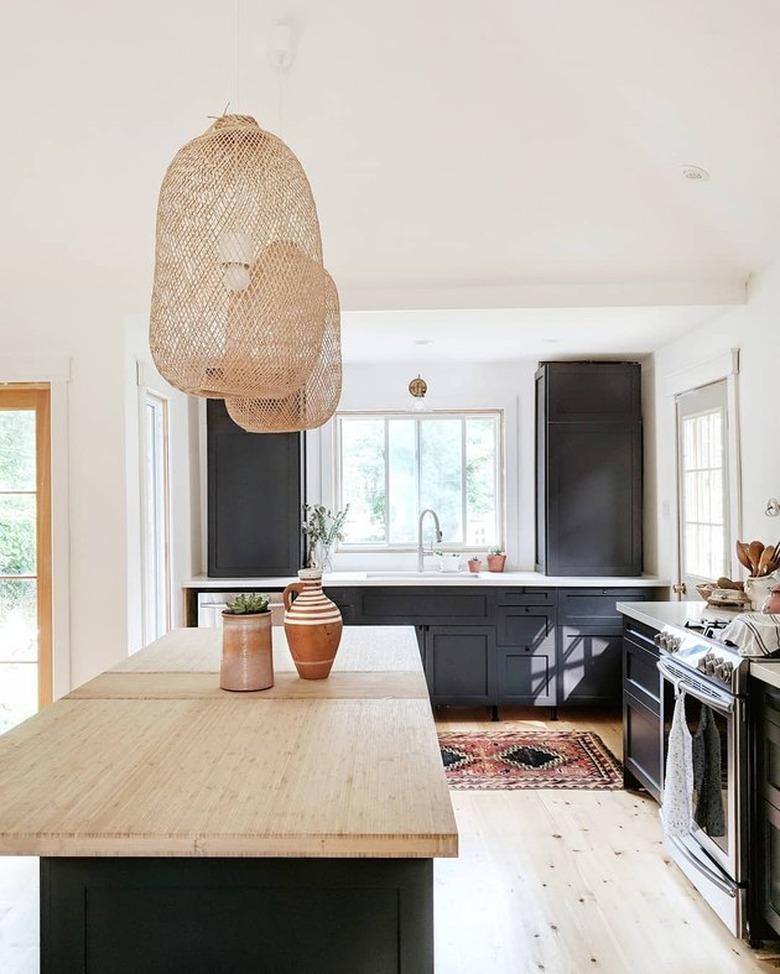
(238, 303)
(316, 401)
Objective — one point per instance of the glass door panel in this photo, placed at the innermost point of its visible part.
(25, 547)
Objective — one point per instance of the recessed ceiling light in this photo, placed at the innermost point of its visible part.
(423, 341)
(551, 341)
(695, 173)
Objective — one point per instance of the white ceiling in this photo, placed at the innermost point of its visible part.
(498, 335)
(463, 154)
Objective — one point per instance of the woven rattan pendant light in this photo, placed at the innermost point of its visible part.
(316, 401)
(238, 303)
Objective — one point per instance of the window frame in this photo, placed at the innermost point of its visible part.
(149, 396)
(382, 547)
(719, 388)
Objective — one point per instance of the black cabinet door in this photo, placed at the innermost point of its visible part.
(589, 468)
(642, 745)
(460, 664)
(589, 666)
(255, 494)
(526, 677)
(595, 499)
(770, 885)
(591, 392)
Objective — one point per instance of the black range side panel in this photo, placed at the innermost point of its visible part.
(255, 495)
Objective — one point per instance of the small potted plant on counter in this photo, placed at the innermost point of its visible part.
(247, 653)
(475, 565)
(496, 559)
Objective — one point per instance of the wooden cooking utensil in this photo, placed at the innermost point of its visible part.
(765, 561)
(742, 554)
(754, 553)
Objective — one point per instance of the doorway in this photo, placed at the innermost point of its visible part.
(25, 552)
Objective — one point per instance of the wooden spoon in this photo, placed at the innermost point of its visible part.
(767, 556)
(755, 551)
(742, 554)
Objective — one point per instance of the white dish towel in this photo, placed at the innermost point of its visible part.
(677, 805)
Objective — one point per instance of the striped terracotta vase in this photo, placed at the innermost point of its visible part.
(312, 624)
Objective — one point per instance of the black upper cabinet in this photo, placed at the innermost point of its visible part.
(589, 468)
(255, 495)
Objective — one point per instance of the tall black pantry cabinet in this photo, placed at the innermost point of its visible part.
(589, 468)
(255, 497)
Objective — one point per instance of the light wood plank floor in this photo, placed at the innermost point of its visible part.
(571, 881)
(560, 882)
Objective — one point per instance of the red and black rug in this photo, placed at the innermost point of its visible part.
(508, 760)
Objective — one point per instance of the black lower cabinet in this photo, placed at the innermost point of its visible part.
(460, 664)
(272, 916)
(764, 888)
(526, 677)
(643, 723)
(589, 666)
(642, 743)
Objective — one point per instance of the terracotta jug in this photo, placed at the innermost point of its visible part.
(247, 652)
(312, 624)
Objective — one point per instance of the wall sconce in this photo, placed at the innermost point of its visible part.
(417, 389)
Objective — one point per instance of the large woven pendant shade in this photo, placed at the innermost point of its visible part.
(316, 401)
(238, 303)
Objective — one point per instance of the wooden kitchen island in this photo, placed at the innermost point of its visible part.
(186, 828)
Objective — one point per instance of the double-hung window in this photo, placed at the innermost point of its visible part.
(392, 466)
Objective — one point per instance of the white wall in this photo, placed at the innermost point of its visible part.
(755, 329)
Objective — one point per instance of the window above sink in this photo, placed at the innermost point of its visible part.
(390, 466)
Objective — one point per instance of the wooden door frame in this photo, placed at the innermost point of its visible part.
(37, 396)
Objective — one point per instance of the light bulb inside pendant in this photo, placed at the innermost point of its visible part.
(235, 251)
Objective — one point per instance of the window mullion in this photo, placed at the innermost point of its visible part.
(387, 480)
(463, 506)
(418, 463)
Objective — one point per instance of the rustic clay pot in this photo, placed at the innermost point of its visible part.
(496, 563)
(475, 565)
(247, 653)
(312, 624)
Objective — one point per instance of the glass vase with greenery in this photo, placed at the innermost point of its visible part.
(322, 528)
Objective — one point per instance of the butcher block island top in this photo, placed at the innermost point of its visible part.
(153, 759)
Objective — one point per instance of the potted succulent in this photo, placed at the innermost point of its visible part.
(475, 565)
(247, 652)
(496, 559)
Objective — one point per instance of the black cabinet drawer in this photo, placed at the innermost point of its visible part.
(640, 633)
(525, 627)
(642, 744)
(590, 666)
(526, 596)
(526, 678)
(414, 605)
(595, 606)
(771, 762)
(640, 673)
(460, 664)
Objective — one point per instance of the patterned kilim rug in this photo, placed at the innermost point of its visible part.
(508, 760)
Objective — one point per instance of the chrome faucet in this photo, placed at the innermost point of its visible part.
(420, 552)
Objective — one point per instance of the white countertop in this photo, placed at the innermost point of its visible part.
(660, 614)
(766, 672)
(507, 579)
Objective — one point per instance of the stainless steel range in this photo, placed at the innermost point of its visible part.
(713, 678)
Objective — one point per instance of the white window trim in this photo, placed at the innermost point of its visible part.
(386, 548)
(57, 372)
(715, 369)
(145, 390)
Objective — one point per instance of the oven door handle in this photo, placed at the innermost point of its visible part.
(716, 878)
(722, 700)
